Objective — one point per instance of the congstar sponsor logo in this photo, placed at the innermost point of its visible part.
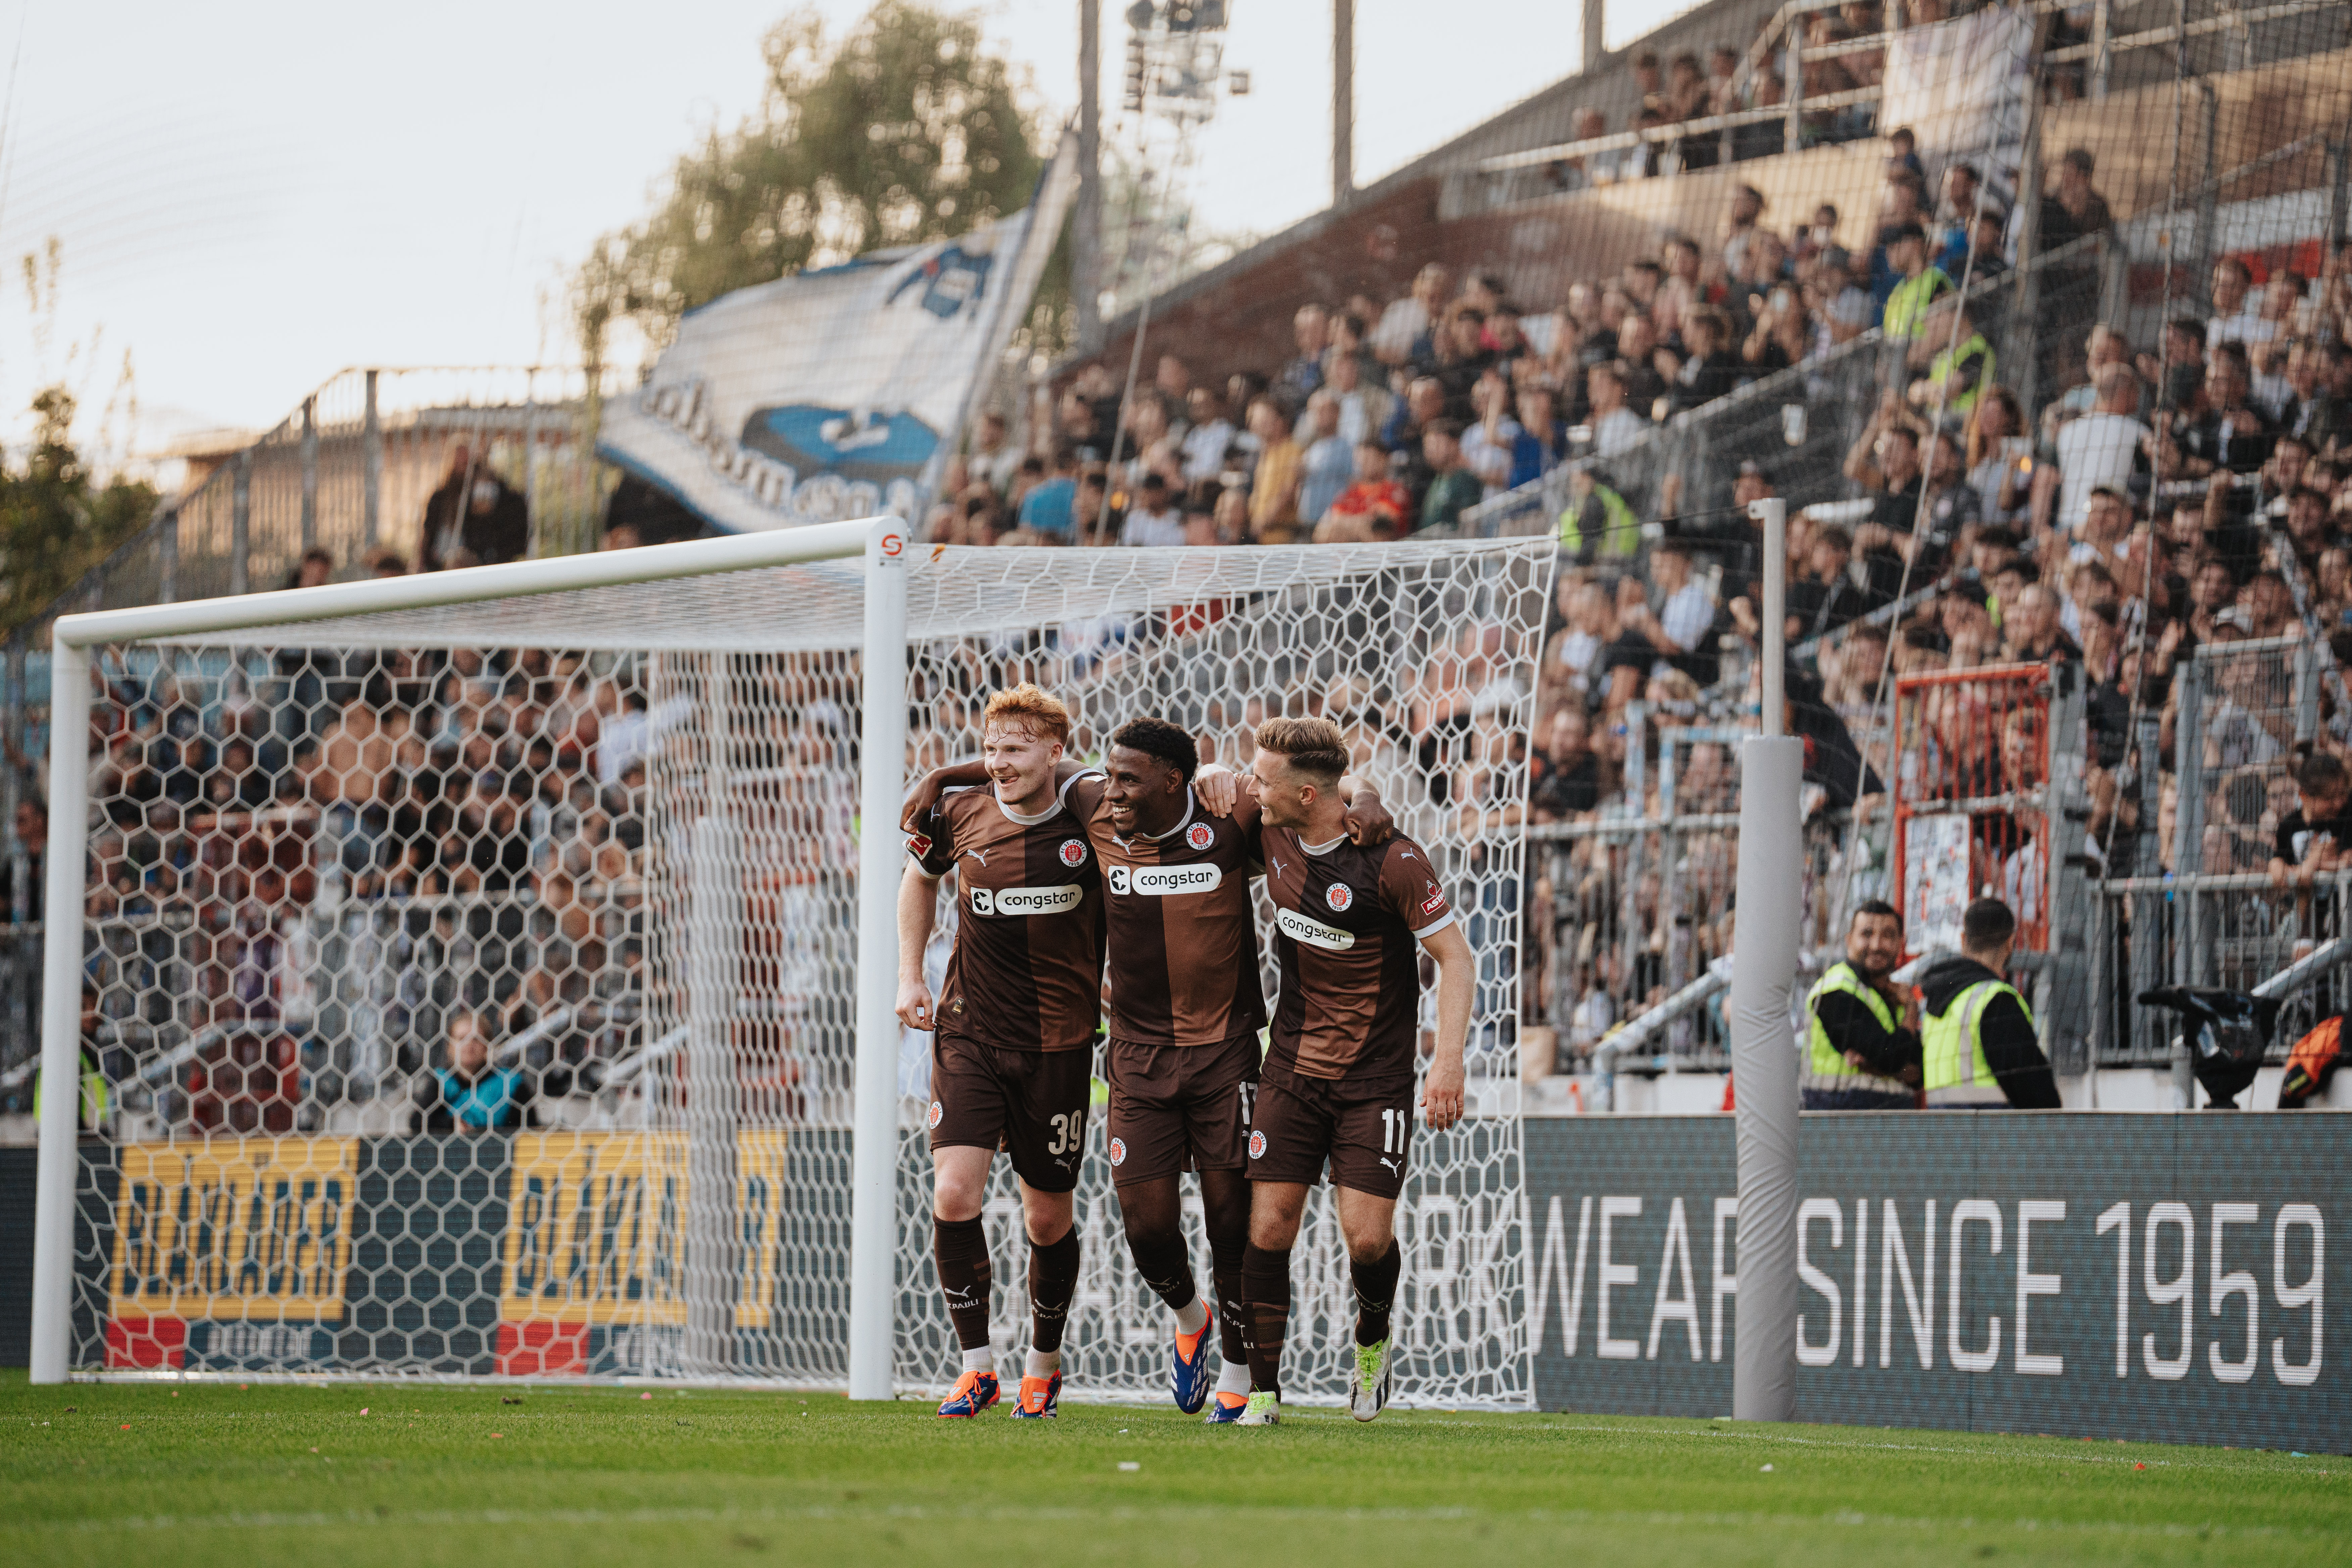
(1314, 934)
(1026, 901)
(1160, 881)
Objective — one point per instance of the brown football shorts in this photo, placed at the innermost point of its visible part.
(1363, 1129)
(1180, 1108)
(1031, 1104)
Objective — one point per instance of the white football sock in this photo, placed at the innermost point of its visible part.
(1193, 1316)
(1041, 1364)
(981, 1360)
(1233, 1378)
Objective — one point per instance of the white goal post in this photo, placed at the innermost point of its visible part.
(598, 856)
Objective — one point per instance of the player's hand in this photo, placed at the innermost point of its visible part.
(1369, 822)
(917, 1007)
(920, 801)
(1441, 1094)
(1218, 786)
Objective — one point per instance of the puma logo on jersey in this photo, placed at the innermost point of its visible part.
(979, 855)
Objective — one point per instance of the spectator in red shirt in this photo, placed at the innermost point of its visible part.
(1374, 507)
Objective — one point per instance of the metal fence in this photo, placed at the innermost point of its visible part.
(349, 471)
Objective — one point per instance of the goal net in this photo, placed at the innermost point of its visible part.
(476, 986)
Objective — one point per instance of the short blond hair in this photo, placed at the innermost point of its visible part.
(1314, 747)
(1028, 708)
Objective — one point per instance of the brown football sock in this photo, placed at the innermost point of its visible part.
(1265, 1285)
(1053, 1280)
(1225, 1205)
(1376, 1284)
(1232, 1317)
(960, 1248)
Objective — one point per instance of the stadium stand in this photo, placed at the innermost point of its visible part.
(2063, 414)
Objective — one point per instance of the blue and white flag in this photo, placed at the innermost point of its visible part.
(839, 393)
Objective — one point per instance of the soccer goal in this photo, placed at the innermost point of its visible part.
(490, 973)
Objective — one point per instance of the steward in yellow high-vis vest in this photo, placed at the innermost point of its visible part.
(1858, 1055)
(1922, 283)
(1600, 525)
(1976, 1033)
(95, 1092)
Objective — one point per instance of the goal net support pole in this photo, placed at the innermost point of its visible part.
(882, 544)
(60, 1108)
(1763, 1060)
(874, 1149)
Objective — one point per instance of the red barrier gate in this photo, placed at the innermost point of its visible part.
(1972, 801)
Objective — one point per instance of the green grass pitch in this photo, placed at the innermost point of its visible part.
(213, 1473)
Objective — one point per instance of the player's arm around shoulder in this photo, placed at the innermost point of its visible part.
(1369, 822)
(923, 799)
(1080, 787)
(1222, 791)
(970, 774)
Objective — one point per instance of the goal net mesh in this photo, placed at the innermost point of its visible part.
(474, 987)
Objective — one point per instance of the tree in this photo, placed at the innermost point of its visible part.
(905, 132)
(56, 520)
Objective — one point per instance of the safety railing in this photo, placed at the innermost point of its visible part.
(1632, 913)
(349, 471)
(2097, 53)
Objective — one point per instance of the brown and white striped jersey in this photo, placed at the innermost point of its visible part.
(1026, 971)
(1349, 925)
(1184, 930)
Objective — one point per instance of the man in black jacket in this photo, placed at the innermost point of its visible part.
(1976, 1031)
(1859, 1055)
(475, 519)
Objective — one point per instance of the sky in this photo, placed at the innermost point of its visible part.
(250, 196)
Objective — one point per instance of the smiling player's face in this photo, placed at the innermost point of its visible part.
(1285, 794)
(1020, 762)
(1143, 793)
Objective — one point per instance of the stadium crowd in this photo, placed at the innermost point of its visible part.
(2164, 496)
(495, 800)
(2158, 497)
(2155, 498)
